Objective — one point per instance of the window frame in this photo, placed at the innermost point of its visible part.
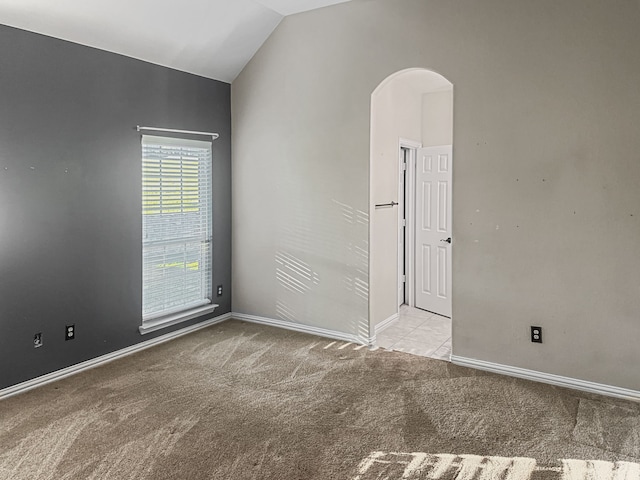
(176, 145)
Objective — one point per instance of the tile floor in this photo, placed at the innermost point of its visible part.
(418, 332)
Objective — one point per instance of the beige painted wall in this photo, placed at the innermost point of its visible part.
(437, 118)
(546, 199)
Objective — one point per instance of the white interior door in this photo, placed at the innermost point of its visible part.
(433, 230)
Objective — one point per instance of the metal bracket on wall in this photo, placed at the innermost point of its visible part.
(390, 204)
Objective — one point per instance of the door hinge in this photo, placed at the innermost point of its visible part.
(404, 279)
(404, 165)
(404, 222)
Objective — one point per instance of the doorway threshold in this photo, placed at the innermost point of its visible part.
(418, 332)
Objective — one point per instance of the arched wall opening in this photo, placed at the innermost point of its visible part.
(414, 108)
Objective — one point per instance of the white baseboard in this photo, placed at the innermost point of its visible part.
(567, 382)
(299, 327)
(109, 357)
(386, 323)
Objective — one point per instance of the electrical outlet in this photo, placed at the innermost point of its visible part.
(37, 340)
(536, 334)
(219, 290)
(70, 332)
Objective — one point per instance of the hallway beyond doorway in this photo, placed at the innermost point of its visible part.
(418, 332)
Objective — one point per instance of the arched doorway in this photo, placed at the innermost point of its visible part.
(410, 205)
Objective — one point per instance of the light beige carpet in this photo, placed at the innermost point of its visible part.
(241, 401)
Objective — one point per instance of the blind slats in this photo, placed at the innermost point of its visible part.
(176, 225)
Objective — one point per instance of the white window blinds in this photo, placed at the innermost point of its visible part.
(176, 225)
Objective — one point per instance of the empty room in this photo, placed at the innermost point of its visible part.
(320, 239)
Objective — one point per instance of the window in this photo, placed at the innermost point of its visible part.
(176, 230)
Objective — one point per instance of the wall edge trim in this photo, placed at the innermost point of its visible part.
(109, 357)
(299, 327)
(549, 378)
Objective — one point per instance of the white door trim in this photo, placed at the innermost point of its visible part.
(409, 263)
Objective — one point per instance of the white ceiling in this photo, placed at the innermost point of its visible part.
(211, 38)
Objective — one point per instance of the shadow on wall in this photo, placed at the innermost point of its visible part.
(299, 267)
(296, 277)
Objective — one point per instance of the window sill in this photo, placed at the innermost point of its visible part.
(164, 322)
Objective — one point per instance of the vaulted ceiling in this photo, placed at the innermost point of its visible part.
(211, 38)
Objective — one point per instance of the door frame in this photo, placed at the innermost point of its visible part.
(407, 195)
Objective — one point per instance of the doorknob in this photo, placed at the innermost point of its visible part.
(448, 240)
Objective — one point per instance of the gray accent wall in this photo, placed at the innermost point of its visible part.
(70, 195)
(546, 196)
